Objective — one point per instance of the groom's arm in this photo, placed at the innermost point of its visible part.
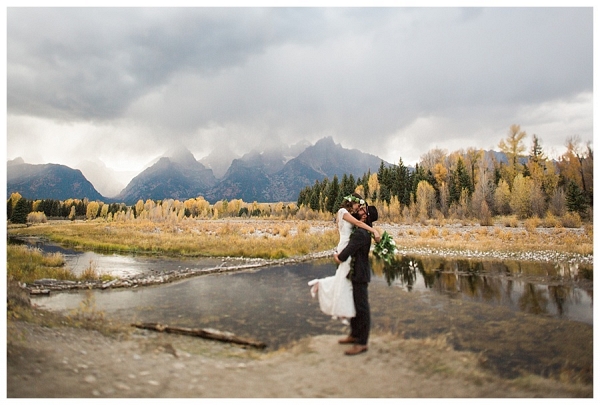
(359, 239)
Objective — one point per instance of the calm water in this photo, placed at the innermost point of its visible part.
(539, 311)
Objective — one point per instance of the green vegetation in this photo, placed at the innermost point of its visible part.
(471, 184)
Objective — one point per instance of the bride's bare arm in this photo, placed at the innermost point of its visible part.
(348, 217)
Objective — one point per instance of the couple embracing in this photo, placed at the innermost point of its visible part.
(345, 295)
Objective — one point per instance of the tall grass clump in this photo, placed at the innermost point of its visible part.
(571, 220)
(26, 265)
(551, 221)
(532, 223)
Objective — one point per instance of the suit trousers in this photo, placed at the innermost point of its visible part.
(360, 325)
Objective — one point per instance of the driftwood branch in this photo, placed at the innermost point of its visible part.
(203, 333)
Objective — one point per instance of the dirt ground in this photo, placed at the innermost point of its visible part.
(66, 362)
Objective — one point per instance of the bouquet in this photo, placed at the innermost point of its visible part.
(385, 249)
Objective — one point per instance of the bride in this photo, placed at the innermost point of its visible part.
(335, 292)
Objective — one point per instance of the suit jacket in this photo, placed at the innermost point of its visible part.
(358, 247)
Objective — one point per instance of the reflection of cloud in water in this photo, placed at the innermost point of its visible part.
(123, 266)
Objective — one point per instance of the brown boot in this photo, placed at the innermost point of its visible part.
(348, 340)
(356, 349)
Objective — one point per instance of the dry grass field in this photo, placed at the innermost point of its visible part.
(273, 239)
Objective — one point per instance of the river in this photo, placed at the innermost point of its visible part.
(519, 316)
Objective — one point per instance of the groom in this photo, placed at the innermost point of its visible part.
(358, 247)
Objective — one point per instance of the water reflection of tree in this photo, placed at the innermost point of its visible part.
(403, 269)
(559, 297)
(533, 300)
(486, 281)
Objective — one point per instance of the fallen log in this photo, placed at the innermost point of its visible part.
(39, 292)
(203, 333)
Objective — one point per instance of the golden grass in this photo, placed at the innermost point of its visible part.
(500, 238)
(26, 265)
(196, 238)
(274, 239)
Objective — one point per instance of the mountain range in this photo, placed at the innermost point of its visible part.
(277, 173)
(48, 181)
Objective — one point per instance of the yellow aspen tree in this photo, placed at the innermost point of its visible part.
(278, 209)
(440, 173)
(92, 210)
(394, 212)
(513, 147)
(104, 211)
(360, 189)
(425, 200)
(444, 196)
(520, 198)
(149, 205)
(373, 187)
(550, 178)
(502, 198)
(14, 198)
(433, 157)
(139, 207)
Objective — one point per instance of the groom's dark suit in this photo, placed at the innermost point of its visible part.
(358, 247)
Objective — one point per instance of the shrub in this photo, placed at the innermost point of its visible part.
(36, 217)
(571, 220)
(511, 222)
(532, 223)
(303, 228)
(551, 221)
(485, 216)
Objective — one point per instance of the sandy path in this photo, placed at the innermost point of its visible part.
(68, 362)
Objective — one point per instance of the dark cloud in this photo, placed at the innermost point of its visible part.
(209, 76)
(92, 63)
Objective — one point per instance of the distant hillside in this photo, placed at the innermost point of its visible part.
(178, 176)
(48, 181)
(324, 159)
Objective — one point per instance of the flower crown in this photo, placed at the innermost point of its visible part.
(353, 199)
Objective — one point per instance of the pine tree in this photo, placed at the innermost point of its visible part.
(314, 198)
(20, 212)
(575, 199)
(332, 195)
(9, 208)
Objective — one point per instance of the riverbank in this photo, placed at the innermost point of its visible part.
(54, 357)
(66, 362)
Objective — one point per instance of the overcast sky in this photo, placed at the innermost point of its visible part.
(125, 84)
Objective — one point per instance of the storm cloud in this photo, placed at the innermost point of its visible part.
(123, 84)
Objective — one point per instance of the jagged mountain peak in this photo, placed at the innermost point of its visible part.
(181, 155)
(16, 161)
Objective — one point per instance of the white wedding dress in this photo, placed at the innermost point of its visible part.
(335, 292)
